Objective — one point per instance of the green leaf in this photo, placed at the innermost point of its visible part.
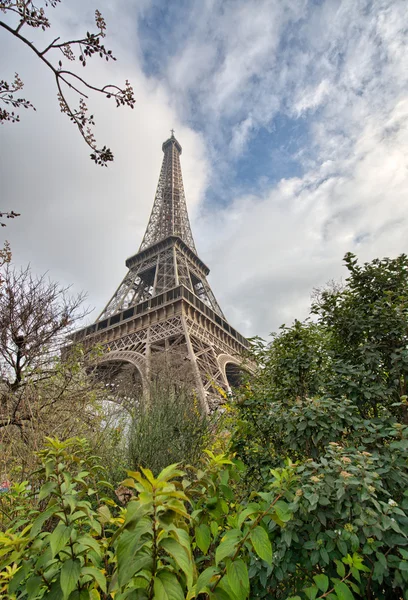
(310, 545)
(180, 555)
(133, 565)
(341, 569)
(214, 528)
(228, 544)
(138, 594)
(46, 489)
(90, 542)
(33, 586)
(261, 544)
(324, 556)
(129, 544)
(238, 580)
(203, 537)
(43, 560)
(169, 472)
(70, 572)
(167, 587)
(322, 582)
(343, 591)
(342, 546)
(249, 510)
(378, 572)
(403, 565)
(159, 590)
(282, 511)
(97, 575)
(226, 490)
(182, 537)
(59, 537)
(40, 520)
(220, 594)
(104, 514)
(382, 559)
(206, 579)
(225, 587)
(54, 593)
(311, 592)
(18, 577)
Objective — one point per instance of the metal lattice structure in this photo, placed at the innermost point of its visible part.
(169, 213)
(164, 303)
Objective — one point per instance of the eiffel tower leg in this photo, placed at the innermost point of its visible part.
(193, 359)
(146, 390)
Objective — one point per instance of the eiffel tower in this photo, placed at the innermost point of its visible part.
(164, 303)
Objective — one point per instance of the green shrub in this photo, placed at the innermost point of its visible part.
(176, 538)
(351, 498)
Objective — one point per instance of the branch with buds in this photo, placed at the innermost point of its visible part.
(82, 49)
(8, 215)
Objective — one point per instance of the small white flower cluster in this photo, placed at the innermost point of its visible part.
(392, 502)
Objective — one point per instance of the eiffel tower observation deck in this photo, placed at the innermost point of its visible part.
(164, 305)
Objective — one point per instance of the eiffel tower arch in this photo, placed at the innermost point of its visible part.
(164, 304)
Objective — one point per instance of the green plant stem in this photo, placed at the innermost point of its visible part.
(5, 513)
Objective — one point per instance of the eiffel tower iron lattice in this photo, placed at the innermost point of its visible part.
(164, 303)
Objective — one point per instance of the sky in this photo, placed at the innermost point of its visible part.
(293, 118)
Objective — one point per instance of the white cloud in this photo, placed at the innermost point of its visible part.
(312, 98)
(279, 246)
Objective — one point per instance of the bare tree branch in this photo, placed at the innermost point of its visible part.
(32, 16)
(8, 215)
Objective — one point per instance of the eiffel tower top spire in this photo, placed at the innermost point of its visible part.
(169, 215)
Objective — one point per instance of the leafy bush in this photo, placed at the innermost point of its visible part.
(367, 324)
(296, 364)
(357, 347)
(176, 538)
(351, 497)
(332, 396)
(341, 509)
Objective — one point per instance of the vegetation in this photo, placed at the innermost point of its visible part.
(304, 494)
(168, 427)
(332, 396)
(43, 387)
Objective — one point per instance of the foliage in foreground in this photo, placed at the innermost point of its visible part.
(331, 395)
(352, 492)
(177, 537)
